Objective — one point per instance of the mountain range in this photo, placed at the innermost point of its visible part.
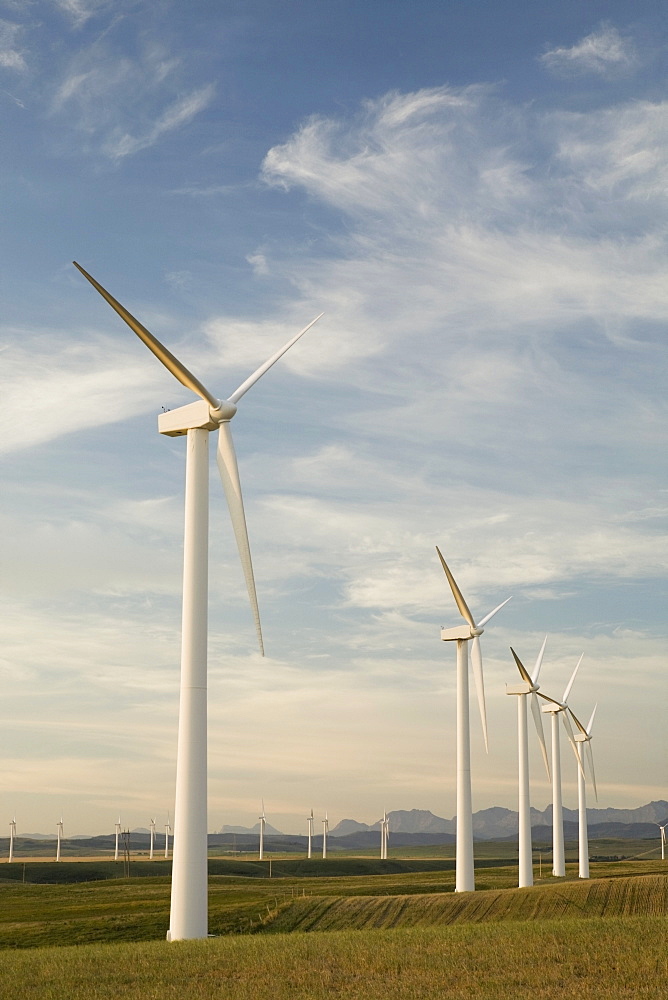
(488, 824)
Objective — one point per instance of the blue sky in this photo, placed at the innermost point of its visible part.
(476, 196)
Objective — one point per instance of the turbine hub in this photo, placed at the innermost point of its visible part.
(477, 631)
(224, 411)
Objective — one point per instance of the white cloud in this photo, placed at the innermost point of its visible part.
(121, 104)
(84, 385)
(11, 57)
(604, 52)
(79, 11)
(458, 226)
(119, 144)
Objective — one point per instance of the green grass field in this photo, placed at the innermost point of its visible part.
(614, 959)
(359, 928)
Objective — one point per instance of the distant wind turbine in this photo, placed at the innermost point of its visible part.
(150, 853)
(527, 687)
(118, 834)
(384, 835)
(59, 838)
(168, 830)
(556, 709)
(188, 911)
(263, 823)
(310, 834)
(583, 739)
(663, 840)
(462, 634)
(325, 830)
(12, 838)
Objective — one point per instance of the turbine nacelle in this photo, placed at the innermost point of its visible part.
(192, 416)
(460, 632)
(523, 687)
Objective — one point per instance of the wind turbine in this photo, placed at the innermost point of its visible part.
(384, 835)
(556, 709)
(168, 830)
(150, 853)
(325, 830)
(528, 686)
(60, 837)
(310, 833)
(188, 910)
(263, 823)
(12, 837)
(462, 634)
(582, 740)
(118, 834)
(663, 840)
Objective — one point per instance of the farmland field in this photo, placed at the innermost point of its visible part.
(614, 959)
(360, 928)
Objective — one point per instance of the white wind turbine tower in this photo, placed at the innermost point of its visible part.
(168, 830)
(60, 838)
(263, 823)
(583, 739)
(384, 835)
(150, 853)
(118, 834)
(325, 831)
(555, 709)
(12, 837)
(462, 634)
(310, 834)
(663, 840)
(188, 911)
(528, 686)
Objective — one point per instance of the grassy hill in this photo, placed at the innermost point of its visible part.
(630, 896)
(390, 935)
(137, 909)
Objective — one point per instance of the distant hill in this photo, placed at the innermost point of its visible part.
(497, 822)
(599, 831)
(268, 829)
(348, 826)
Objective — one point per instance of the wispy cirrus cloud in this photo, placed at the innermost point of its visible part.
(448, 208)
(604, 53)
(121, 104)
(11, 56)
(79, 10)
(121, 144)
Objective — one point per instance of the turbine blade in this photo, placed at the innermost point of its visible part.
(571, 738)
(476, 663)
(570, 683)
(252, 379)
(539, 662)
(524, 673)
(578, 723)
(535, 711)
(567, 726)
(456, 592)
(172, 364)
(492, 613)
(229, 474)
(591, 720)
(590, 759)
(547, 698)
